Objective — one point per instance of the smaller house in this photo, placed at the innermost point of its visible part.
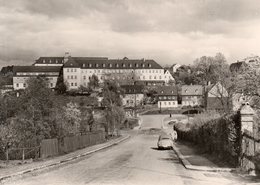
(192, 95)
(167, 96)
(174, 68)
(133, 95)
(216, 97)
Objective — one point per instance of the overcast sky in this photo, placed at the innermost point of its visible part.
(169, 31)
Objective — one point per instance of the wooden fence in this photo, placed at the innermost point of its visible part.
(52, 147)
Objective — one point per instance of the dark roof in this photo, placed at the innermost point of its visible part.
(167, 90)
(36, 69)
(50, 60)
(133, 89)
(192, 90)
(88, 63)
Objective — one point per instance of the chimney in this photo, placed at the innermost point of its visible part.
(66, 57)
(209, 83)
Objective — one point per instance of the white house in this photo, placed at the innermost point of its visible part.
(167, 96)
(23, 73)
(78, 70)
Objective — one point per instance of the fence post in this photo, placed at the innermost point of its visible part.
(7, 155)
(247, 126)
(23, 156)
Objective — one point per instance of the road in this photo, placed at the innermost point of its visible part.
(136, 161)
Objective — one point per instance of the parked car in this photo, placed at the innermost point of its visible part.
(165, 142)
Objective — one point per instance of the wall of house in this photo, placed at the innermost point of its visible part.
(129, 100)
(20, 82)
(83, 75)
(168, 104)
(191, 100)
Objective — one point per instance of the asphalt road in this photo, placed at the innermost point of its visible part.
(136, 161)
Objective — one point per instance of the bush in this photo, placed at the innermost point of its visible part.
(214, 134)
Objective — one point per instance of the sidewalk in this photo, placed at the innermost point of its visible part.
(13, 171)
(194, 161)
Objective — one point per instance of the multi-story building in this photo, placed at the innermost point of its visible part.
(167, 97)
(23, 73)
(49, 61)
(192, 95)
(78, 70)
(133, 95)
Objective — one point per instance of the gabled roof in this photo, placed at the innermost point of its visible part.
(235, 67)
(133, 89)
(36, 69)
(166, 90)
(102, 62)
(192, 90)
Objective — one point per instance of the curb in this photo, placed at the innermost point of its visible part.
(65, 160)
(189, 166)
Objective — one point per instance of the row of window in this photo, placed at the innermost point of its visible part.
(166, 97)
(74, 84)
(112, 71)
(117, 65)
(24, 85)
(168, 103)
(36, 74)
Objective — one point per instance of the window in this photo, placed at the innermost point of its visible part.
(130, 65)
(117, 65)
(71, 76)
(24, 85)
(90, 65)
(71, 84)
(96, 65)
(71, 70)
(17, 85)
(136, 65)
(104, 65)
(110, 65)
(75, 84)
(123, 65)
(169, 103)
(154, 77)
(75, 70)
(149, 65)
(165, 103)
(51, 84)
(68, 77)
(68, 70)
(143, 65)
(160, 77)
(150, 77)
(43, 61)
(83, 65)
(84, 77)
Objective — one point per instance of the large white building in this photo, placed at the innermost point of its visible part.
(78, 70)
(23, 73)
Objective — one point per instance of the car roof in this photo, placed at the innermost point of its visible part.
(164, 136)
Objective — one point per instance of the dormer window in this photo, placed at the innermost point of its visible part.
(143, 65)
(172, 92)
(110, 65)
(71, 64)
(43, 61)
(49, 61)
(185, 90)
(83, 65)
(104, 65)
(162, 92)
(96, 65)
(149, 65)
(136, 65)
(123, 65)
(56, 61)
(130, 65)
(117, 65)
(196, 90)
(90, 65)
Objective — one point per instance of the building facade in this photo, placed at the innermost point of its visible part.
(78, 70)
(133, 95)
(167, 97)
(23, 73)
(192, 95)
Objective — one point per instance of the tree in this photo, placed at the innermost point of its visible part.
(61, 87)
(112, 101)
(124, 78)
(73, 118)
(210, 69)
(93, 82)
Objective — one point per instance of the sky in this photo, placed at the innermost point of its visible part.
(168, 31)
